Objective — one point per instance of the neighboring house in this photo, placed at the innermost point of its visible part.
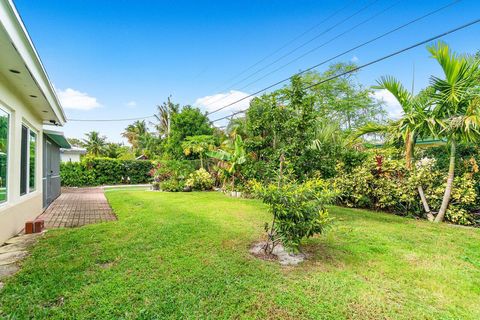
(72, 155)
(29, 155)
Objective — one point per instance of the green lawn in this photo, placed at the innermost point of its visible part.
(185, 255)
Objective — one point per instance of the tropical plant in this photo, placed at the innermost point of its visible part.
(198, 145)
(199, 180)
(414, 123)
(94, 143)
(164, 113)
(298, 210)
(456, 106)
(134, 133)
(232, 157)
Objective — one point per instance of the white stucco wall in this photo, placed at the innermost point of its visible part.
(69, 157)
(18, 209)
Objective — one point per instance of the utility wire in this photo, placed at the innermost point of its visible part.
(341, 54)
(375, 61)
(290, 42)
(297, 48)
(323, 44)
(110, 120)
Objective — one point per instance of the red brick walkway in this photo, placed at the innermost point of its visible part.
(78, 207)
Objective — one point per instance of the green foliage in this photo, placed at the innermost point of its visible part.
(230, 158)
(188, 122)
(198, 145)
(94, 143)
(383, 183)
(298, 211)
(199, 180)
(75, 174)
(105, 171)
(172, 185)
(170, 175)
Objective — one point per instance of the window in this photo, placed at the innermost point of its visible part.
(28, 160)
(33, 151)
(4, 128)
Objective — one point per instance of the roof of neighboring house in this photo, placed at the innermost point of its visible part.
(427, 142)
(74, 149)
(22, 68)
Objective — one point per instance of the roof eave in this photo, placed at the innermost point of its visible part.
(26, 50)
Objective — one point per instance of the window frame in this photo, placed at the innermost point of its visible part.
(7, 111)
(30, 130)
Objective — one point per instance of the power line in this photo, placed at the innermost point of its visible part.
(110, 120)
(341, 54)
(297, 48)
(376, 60)
(323, 44)
(291, 41)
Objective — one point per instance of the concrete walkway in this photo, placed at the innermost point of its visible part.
(77, 207)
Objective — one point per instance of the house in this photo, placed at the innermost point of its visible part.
(72, 155)
(29, 155)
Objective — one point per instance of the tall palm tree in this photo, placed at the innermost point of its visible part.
(94, 143)
(456, 106)
(134, 133)
(164, 116)
(414, 123)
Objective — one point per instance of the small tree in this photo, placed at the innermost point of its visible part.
(298, 210)
(198, 145)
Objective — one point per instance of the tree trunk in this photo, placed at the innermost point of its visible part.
(201, 161)
(408, 151)
(448, 188)
(426, 207)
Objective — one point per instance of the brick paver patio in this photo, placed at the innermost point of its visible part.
(77, 207)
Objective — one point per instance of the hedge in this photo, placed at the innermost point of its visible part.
(105, 171)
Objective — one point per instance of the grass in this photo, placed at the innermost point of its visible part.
(185, 256)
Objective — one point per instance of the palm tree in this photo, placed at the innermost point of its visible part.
(134, 132)
(456, 106)
(198, 145)
(94, 143)
(415, 123)
(164, 115)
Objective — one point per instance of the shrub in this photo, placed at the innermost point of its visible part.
(102, 171)
(298, 212)
(172, 185)
(170, 175)
(200, 180)
(74, 174)
(383, 183)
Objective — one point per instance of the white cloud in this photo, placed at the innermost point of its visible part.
(391, 104)
(74, 99)
(354, 59)
(220, 100)
(131, 104)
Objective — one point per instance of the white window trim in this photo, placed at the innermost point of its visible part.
(30, 128)
(5, 109)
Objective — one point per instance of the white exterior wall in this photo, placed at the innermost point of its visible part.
(66, 156)
(18, 209)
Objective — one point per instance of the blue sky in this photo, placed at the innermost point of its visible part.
(118, 59)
